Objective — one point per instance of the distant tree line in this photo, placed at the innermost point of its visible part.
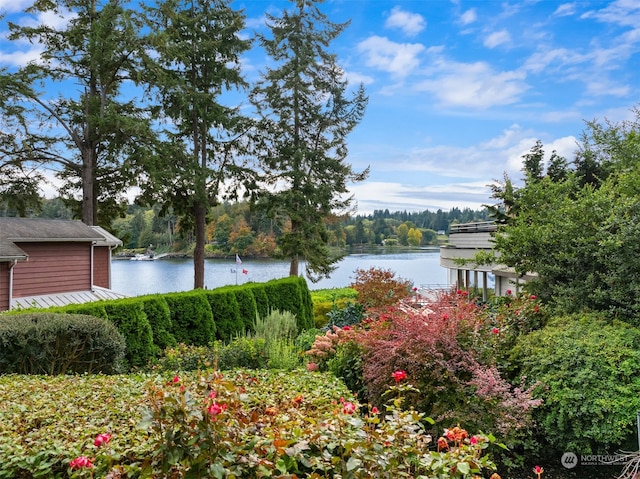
(237, 228)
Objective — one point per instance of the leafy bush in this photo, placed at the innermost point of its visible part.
(222, 427)
(183, 357)
(243, 352)
(129, 316)
(278, 330)
(378, 287)
(226, 313)
(49, 343)
(159, 317)
(589, 375)
(191, 318)
(349, 315)
(436, 349)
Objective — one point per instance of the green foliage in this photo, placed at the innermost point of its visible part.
(243, 352)
(349, 315)
(129, 317)
(226, 427)
(247, 306)
(278, 330)
(226, 313)
(261, 300)
(191, 318)
(578, 228)
(49, 343)
(304, 115)
(159, 317)
(326, 300)
(346, 364)
(47, 421)
(291, 294)
(588, 371)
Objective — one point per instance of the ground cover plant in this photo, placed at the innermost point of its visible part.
(213, 424)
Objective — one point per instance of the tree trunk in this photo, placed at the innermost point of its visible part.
(87, 174)
(293, 266)
(198, 253)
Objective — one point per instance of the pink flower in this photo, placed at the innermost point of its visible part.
(312, 367)
(399, 375)
(347, 328)
(102, 439)
(509, 292)
(216, 409)
(81, 462)
(495, 330)
(348, 408)
(374, 410)
(213, 395)
(473, 440)
(176, 379)
(538, 470)
(533, 296)
(415, 289)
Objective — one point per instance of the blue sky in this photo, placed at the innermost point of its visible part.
(460, 90)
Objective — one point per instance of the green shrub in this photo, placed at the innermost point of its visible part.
(159, 317)
(291, 294)
(191, 318)
(50, 343)
(243, 352)
(247, 307)
(129, 316)
(184, 357)
(261, 299)
(226, 313)
(589, 375)
(278, 330)
(347, 365)
(350, 315)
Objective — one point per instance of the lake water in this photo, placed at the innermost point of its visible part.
(135, 278)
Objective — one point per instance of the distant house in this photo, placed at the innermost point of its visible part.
(47, 262)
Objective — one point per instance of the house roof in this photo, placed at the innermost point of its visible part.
(63, 299)
(37, 230)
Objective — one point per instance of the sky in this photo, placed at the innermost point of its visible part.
(460, 90)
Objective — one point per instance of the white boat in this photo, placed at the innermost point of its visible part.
(147, 257)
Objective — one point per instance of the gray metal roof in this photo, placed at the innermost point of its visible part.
(63, 299)
(37, 230)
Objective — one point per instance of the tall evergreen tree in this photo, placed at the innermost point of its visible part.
(305, 115)
(68, 110)
(198, 47)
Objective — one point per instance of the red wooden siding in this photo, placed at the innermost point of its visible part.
(4, 286)
(101, 266)
(52, 268)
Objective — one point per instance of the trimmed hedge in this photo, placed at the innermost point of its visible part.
(226, 313)
(247, 307)
(131, 320)
(159, 317)
(152, 323)
(191, 318)
(50, 343)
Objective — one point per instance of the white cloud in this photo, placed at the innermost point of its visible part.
(497, 38)
(468, 17)
(9, 6)
(397, 58)
(474, 85)
(410, 23)
(565, 10)
(621, 12)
